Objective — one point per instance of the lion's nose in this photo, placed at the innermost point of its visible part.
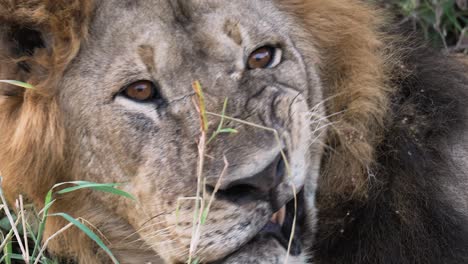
(257, 186)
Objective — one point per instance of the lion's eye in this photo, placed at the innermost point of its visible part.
(264, 58)
(141, 91)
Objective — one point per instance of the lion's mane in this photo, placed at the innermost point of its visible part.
(380, 197)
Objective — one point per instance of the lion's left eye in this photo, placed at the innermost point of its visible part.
(264, 58)
(141, 91)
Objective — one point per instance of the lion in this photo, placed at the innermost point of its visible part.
(349, 145)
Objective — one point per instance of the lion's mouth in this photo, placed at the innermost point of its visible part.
(285, 225)
(282, 227)
(286, 228)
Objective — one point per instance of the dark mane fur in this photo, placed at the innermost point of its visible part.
(407, 216)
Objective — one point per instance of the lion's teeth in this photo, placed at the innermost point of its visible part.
(278, 217)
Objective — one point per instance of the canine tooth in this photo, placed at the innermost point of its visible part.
(279, 216)
(282, 215)
(273, 218)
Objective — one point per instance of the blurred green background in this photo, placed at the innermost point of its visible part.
(444, 23)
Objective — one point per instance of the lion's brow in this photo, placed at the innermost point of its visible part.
(146, 53)
(232, 30)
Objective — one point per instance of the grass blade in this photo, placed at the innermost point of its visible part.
(8, 251)
(18, 83)
(229, 130)
(89, 233)
(109, 188)
(201, 104)
(40, 231)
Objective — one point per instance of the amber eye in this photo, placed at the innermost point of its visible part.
(264, 57)
(141, 91)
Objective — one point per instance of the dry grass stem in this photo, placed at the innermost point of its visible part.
(44, 246)
(13, 226)
(25, 233)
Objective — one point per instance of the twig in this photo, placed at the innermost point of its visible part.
(63, 229)
(218, 185)
(25, 233)
(9, 235)
(13, 226)
(286, 164)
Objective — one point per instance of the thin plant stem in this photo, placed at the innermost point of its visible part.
(217, 186)
(9, 235)
(25, 233)
(12, 222)
(286, 163)
(46, 243)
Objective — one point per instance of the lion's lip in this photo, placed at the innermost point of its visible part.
(280, 227)
(286, 224)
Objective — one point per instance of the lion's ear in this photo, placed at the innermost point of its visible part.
(18, 46)
(39, 38)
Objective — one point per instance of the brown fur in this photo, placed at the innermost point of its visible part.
(354, 68)
(33, 141)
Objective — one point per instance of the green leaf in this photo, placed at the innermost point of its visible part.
(7, 250)
(228, 130)
(31, 233)
(16, 256)
(89, 233)
(204, 216)
(48, 198)
(46, 208)
(223, 114)
(5, 223)
(109, 188)
(18, 83)
(48, 203)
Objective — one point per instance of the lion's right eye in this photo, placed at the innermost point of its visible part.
(264, 58)
(142, 91)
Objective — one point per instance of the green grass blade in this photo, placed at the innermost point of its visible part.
(5, 223)
(47, 207)
(40, 231)
(89, 233)
(223, 113)
(109, 188)
(8, 250)
(31, 233)
(229, 130)
(18, 83)
(16, 256)
(204, 215)
(220, 128)
(48, 198)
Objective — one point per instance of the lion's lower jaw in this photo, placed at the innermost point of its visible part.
(263, 250)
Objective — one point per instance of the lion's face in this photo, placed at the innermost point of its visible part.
(131, 118)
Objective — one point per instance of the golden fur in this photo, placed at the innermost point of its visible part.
(354, 67)
(350, 44)
(30, 121)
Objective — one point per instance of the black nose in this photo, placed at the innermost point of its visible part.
(256, 186)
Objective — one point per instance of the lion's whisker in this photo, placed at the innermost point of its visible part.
(144, 228)
(157, 233)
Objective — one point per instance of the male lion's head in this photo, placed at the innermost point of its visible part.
(115, 103)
